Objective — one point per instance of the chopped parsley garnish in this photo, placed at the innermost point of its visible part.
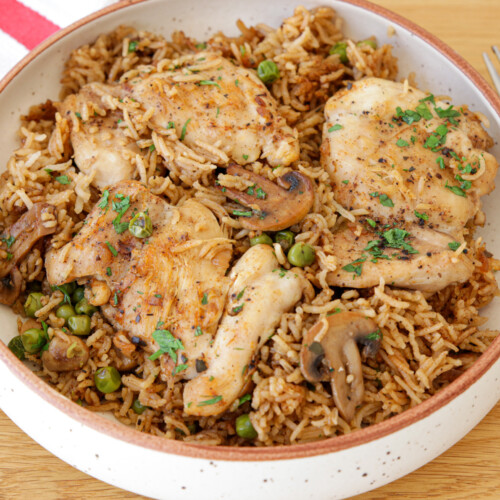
(407, 116)
(208, 402)
(395, 238)
(376, 335)
(371, 222)
(244, 399)
(168, 344)
(456, 190)
(120, 207)
(429, 98)
(261, 194)
(447, 113)
(198, 331)
(63, 179)
(355, 267)
(424, 111)
(184, 128)
(9, 241)
(242, 213)
(242, 50)
(112, 249)
(108, 271)
(208, 82)
(105, 199)
(440, 162)
(201, 46)
(152, 148)
(238, 297)
(335, 311)
(454, 245)
(346, 181)
(218, 111)
(402, 143)
(422, 215)
(245, 157)
(335, 127)
(437, 138)
(180, 368)
(115, 299)
(170, 125)
(158, 295)
(204, 300)
(383, 198)
(236, 82)
(132, 46)
(238, 309)
(78, 115)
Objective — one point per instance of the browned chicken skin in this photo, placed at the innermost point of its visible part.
(419, 173)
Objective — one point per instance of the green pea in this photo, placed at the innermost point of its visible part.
(285, 239)
(33, 340)
(83, 307)
(107, 379)
(138, 407)
(141, 226)
(244, 427)
(267, 71)
(262, 239)
(371, 43)
(65, 311)
(16, 346)
(301, 255)
(78, 294)
(340, 48)
(79, 325)
(33, 304)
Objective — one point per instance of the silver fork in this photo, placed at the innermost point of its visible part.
(491, 69)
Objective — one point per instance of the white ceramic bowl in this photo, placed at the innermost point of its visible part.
(332, 468)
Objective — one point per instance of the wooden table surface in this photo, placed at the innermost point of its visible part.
(471, 469)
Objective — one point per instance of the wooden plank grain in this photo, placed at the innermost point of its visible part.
(470, 469)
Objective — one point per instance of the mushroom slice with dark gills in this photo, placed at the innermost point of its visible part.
(330, 353)
(270, 206)
(259, 295)
(37, 222)
(168, 274)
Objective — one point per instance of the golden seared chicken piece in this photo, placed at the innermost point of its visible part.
(99, 143)
(210, 100)
(204, 98)
(418, 165)
(260, 294)
(174, 280)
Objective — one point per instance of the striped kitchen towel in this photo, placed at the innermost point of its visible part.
(23, 25)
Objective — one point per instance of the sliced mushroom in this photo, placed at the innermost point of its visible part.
(65, 353)
(272, 206)
(329, 352)
(10, 287)
(26, 231)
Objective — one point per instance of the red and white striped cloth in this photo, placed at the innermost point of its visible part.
(23, 25)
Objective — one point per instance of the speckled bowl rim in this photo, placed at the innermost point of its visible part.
(396, 423)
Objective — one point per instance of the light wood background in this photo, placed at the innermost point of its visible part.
(471, 469)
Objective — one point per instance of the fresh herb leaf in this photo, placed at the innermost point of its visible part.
(112, 249)
(132, 46)
(198, 331)
(9, 241)
(242, 213)
(261, 194)
(395, 238)
(338, 126)
(238, 297)
(447, 113)
(346, 181)
(63, 179)
(204, 300)
(105, 199)
(376, 335)
(184, 128)
(385, 200)
(168, 345)
(244, 399)
(454, 245)
(245, 157)
(170, 125)
(402, 143)
(424, 111)
(429, 98)
(422, 215)
(237, 309)
(371, 222)
(108, 271)
(152, 148)
(456, 190)
(208, 82)
(440, 162)
(180, 368)
(335, 311)
(212, 401)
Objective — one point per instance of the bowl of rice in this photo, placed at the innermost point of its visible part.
(346, 368)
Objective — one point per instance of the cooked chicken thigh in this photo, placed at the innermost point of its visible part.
(204, 98)
(416, 164)
(260, 294)
(99, 143)
(175, 277)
